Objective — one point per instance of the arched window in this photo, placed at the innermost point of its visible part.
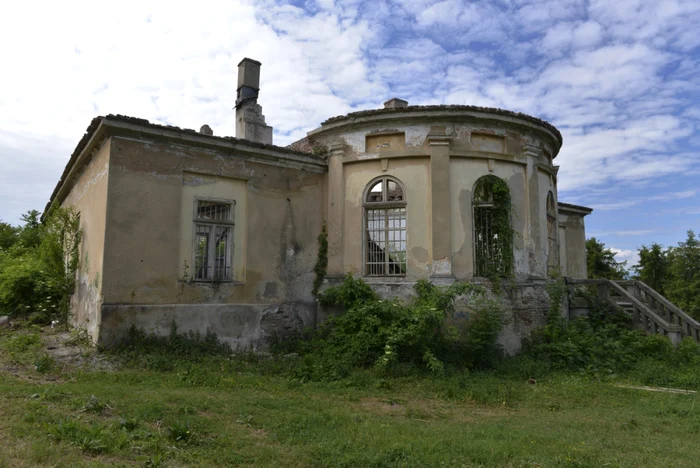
(385, 228)
(493, 236)
(552, 252)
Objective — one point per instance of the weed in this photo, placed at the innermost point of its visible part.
(94, 405)
(79, 337)
(44, 364)
(180, 432)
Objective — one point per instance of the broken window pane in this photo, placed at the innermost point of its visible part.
(491, 228)
(201, 252)
(385, 230)
(213, 210)
(213, 241)
(376, 193)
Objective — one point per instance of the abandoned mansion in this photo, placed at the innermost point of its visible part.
(221, 233)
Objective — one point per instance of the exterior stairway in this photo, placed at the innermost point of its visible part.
(649, 310)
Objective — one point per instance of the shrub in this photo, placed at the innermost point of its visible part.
(602, 344)
(391, 335)
(37, 273)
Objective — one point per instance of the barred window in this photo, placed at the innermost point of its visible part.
(553, 257)
(213, 240)
(385, 228)
(493, 236)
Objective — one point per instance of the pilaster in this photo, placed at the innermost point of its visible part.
(334, 210)
(441, 229)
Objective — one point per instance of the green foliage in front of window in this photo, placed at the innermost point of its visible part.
(493, 231)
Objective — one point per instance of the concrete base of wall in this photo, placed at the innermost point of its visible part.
(242, 326)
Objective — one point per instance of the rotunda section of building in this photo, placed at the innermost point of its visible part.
(441, 191)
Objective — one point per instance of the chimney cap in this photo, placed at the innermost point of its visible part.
(246, 59)
(394, 103)
(206, 130)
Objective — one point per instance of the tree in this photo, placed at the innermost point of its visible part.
(653, 267)
(8, 235)
(30, 233)
(601, 261)
(683, 286)
(37, 274)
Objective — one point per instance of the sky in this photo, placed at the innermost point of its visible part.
(621, 80)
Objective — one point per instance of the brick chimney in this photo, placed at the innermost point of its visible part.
(393, 103)
(250, 121)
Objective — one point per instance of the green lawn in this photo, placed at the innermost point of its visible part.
(248, 415)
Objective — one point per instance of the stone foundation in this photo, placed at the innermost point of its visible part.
(525, 305)
(242, 326)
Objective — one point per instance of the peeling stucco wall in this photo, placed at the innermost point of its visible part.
(278, 216)
(511, 150)
(414, 175)
(89, 196)
(572, 237)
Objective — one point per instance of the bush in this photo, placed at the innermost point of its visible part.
(37, 273)
(602, 344)
(394, 336)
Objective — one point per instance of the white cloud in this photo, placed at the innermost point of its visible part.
(626, 255)
(619, 79)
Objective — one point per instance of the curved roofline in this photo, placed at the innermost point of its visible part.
(397, 111)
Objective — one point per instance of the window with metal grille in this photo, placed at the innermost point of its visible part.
(492, 233)
(385, 228)
(552, 252)
(213, 240)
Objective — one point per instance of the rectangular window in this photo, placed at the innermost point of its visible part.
(213, 240)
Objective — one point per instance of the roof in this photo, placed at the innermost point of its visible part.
(183, 135)
(451, 107)
(584, 210)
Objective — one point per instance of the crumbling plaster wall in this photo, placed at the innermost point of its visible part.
(475, 150)
(413, 174)
(572, 236)
(88, 196)
(145, 281)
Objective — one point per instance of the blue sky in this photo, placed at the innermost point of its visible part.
(621, 80)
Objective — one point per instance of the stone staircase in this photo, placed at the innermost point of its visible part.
(649, 310)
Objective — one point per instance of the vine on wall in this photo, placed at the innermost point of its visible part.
(321, 260)
(494, 254)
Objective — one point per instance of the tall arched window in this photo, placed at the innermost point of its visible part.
(552, 252)
(385, 228)
(493, 236)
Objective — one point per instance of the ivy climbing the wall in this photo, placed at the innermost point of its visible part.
(493, 234)
(321, 260)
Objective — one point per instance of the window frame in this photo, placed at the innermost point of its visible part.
(503, 270)
(384, 206)
(211, 250)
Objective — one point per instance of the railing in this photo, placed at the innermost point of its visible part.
(651, 311)
(666, 309)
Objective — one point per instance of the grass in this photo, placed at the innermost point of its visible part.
(243, 411)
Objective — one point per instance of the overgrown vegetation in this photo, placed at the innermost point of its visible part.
(492, 213)
(186, 400)
(38, 263)
(394, 336)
